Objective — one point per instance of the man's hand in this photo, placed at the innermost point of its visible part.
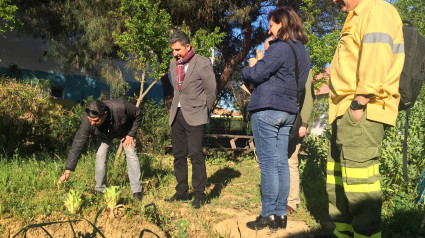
(64, 177)
(128, 141)
(363, 99)
(302, 131)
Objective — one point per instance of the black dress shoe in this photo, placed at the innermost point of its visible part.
(198, 202)
(177, 197)
(138, 196)
(262, 222)
(281, 221)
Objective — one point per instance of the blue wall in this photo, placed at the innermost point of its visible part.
(77, 88)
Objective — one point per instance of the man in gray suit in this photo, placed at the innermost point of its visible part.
(194, 95)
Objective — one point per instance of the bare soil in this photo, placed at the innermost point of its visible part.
(132, 226)
(118, 227)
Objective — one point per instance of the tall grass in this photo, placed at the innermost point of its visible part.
(32, 177)
(28, 185)
(28, 189)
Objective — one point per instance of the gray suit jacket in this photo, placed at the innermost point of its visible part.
(198, 91)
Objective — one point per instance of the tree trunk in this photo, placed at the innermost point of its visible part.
(168, 91)
(139, 99)
(142, 94)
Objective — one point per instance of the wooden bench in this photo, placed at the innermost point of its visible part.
(221, 140)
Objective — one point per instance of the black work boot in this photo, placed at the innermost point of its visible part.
(281, 222)
(262, 222)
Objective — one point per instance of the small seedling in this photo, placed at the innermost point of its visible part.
(73, 201)
(112, 196)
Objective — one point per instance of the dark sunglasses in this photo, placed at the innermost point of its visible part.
(95, 113)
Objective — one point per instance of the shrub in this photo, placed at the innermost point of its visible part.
(31, 121)
(155, 133)
(20, 107)
(65, 124)
(392, 157)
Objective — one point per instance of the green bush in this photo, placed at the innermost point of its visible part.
(155, 134)
(21, 105)
(30, 121)
(65, 125)
(393, 185)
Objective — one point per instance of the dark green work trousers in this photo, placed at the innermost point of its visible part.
(353, 179)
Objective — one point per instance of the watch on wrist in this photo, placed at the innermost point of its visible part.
(356, 105)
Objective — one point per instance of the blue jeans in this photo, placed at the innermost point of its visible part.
(271, 130)
(133, 166)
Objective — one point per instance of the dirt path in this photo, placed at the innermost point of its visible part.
(236, 228)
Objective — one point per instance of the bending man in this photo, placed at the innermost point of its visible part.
(108, 120)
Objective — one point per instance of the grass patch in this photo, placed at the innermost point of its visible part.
(232, 185)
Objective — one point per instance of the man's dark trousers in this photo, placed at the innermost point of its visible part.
(187, 139)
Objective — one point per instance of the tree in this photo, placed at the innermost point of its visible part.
(323, 38)
(79, 34)
(144, 42)
(413, 10)
(8, 20)
(80, 30)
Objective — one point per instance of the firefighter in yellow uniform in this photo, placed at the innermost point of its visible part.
(363, 100)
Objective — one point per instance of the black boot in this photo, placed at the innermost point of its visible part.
(262, 222)
(281, 222)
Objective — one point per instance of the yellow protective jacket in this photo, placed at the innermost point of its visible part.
(368, 61)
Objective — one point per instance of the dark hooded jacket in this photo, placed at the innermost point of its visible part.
(123, 119)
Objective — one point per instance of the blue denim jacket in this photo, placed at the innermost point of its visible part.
(274, 77)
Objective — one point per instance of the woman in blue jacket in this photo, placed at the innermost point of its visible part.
(273, 107)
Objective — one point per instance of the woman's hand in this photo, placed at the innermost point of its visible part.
(266, 44)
